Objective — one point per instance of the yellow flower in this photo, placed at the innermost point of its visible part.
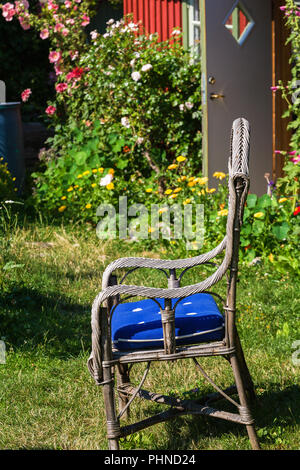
(183, 178)
(88, 206)
(149, 190)
(223, 212)
(191, 183)
(63, 198)
(80, 189)
(187, 201)
(93, 185)
(201, 193)
(172, 167)
(283, 199)
(181, 158)
(202, 181)
(271, 257)
(151, 229)
(168, 191)
(94, 170)
(79, 176)
(219, 175)
(100, 170)
(110, 186)
(162, 210)
(177, 190)
(212, 190)
(173, 196)
(191, 178)
(87, 172)
(259, 215)
(70, 189)
(62, 208)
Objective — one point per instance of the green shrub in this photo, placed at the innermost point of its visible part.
(7, 182)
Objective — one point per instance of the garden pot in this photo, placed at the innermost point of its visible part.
(11, 141)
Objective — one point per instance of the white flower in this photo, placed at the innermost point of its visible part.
(132, 62)
(189, 105)
(176, 32)
(106, 180)
(125, 122)
(136, 76)
(94, 34)
(111, 21)
(146, 67)
(137, 54)
(181, 107)
(139, 140)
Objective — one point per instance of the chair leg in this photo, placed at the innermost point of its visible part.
(238, 375)
(245, 374)
(123, 378)
(113, 426)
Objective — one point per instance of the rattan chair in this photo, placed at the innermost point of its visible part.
(175, 323)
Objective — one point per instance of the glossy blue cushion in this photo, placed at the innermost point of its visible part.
(137, 325)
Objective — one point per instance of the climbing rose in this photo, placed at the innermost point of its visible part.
(54, 56)
(50, 110)
(136, 76)
(44, 34)
(146, 67)
(86, 20)
(60, 87)
(25, 94)
(8, 11)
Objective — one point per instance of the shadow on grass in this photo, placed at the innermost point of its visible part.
(274, 411)
(30, 319)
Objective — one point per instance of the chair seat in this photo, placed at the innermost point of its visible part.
(137, 325)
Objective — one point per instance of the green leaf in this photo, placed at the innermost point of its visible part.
(264, 201)
(281, 231)
(251, 200)
(80, 158)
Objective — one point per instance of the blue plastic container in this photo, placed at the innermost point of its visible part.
(11, 141)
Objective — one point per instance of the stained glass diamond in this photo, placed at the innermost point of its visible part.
(239, 22)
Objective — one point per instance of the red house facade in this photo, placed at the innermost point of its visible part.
(157, 16)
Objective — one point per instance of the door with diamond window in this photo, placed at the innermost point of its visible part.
(236, 55)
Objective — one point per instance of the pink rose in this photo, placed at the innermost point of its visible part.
(65, 32)
(58, 27)
(25, 94)
(21, 5)
(44, 34)
(57, 70)
(50, 110)
(60, 87)
(86, 20)
(8, 11)
(68, 4)
(24, 21)
(52, 6)
(54, 56)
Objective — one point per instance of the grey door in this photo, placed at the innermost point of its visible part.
(236, 50)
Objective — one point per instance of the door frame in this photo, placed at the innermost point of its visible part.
(281, 70)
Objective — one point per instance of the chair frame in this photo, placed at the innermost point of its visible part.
(104, 359)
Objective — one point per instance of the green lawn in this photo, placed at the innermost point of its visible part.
(49, 278)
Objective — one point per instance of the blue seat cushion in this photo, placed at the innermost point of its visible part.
(137, 325)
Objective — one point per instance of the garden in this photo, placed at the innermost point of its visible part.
(125, 115)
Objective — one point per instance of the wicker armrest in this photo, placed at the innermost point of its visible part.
(160, 263)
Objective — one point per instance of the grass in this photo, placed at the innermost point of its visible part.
(49, 276)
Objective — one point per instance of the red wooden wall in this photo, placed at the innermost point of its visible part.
(157, 16)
